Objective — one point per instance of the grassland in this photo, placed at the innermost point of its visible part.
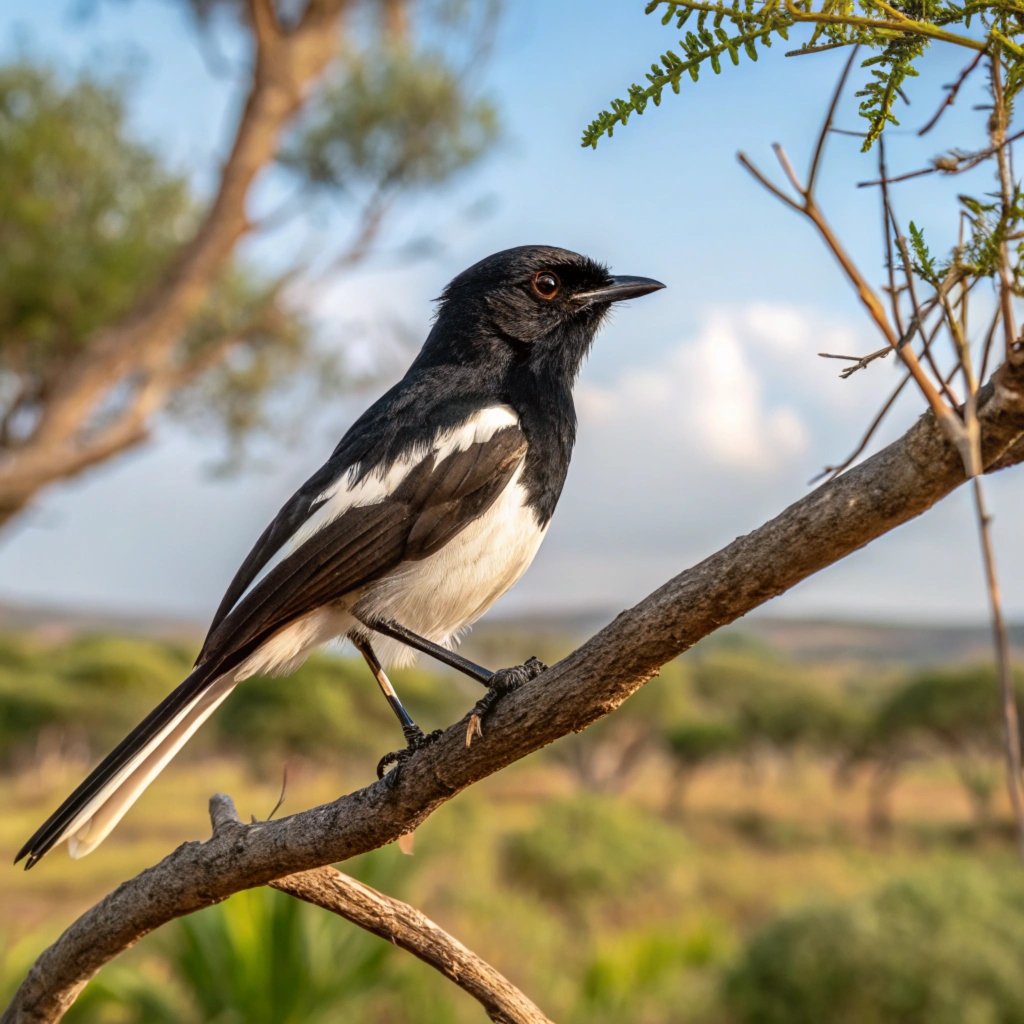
(616, 896)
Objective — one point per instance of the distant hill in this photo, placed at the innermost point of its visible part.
(801, 639)
(56, 623)
(817, 640)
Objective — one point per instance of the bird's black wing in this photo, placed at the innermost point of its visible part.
(299, 507)
(441, 494)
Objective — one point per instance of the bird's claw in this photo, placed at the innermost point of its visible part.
(505, 680)
(417, 741)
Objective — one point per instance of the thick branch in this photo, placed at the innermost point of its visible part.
(890, 488)
(39, 465)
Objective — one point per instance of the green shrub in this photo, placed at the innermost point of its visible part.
(591, 851)
(939, 948)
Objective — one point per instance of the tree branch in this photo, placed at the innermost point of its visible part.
(888, 489)
(285, 66)
(398, 923)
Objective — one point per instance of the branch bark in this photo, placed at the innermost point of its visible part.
(887, 490)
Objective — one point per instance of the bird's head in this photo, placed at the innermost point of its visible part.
(534, 304)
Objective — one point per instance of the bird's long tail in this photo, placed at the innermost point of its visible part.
(89, 815)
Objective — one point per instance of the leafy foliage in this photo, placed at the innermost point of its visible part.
(627, 915)
(259, 957)
(88, 216)
(897, 34)
(585, 851)
(392, 121)
(752, 25)
(771, 703)
(90, 219)
(122, 294)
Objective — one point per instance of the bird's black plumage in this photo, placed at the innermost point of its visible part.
(431, 505)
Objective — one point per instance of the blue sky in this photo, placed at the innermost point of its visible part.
(704, 409)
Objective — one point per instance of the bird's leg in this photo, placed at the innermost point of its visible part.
(415, 737)
(505, 680)
(390, 628)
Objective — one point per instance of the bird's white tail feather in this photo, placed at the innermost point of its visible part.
(99, 817)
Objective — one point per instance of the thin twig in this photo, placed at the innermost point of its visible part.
(1011, 720)
(887, 221)
(859, 362)
(826, 126)
(808, 207)
(997, 134)
(919, 313)
(954, 162)
(953, 91)
(831, 472)
(1011, 728)
(986, 351)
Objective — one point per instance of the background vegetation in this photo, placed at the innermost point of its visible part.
(753, 838)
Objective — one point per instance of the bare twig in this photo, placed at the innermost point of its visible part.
(890, 488)
(887, 224)
(1011, 728)
(809, 208)
(954, 162)
(997, 134)
(873, 305)
(831, 472)
(859, 362)
(953, 91)
(826, 125)
(1008, 696)
(921, 313)
(986, 349)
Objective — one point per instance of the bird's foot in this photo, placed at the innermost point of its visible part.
(417, 740)
(505, 680)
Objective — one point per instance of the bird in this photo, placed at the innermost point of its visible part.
(431, 506)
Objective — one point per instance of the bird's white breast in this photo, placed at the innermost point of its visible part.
(440, 596)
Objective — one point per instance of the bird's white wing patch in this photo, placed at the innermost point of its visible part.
(348, 491)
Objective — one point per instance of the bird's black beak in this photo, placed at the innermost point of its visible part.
(619, 288)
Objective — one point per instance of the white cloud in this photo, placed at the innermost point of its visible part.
(703, 396)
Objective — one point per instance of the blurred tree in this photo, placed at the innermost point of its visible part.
(773, 705)
(693, 745)
(947, 713)
(122, 295)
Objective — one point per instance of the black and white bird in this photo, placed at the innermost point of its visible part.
(431, 506)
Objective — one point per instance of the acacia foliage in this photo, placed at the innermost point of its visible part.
(896, 35)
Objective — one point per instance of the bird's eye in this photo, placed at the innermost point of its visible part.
(546, 285)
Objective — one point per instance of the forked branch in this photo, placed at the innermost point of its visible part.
(401, 924)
